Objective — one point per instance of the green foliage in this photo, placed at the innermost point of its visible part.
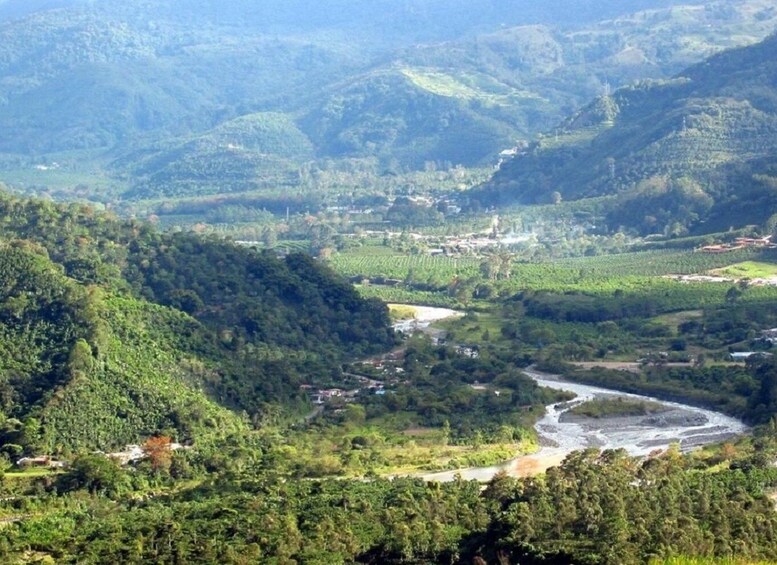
(588, 289)
(112, 332)
(595, 508)
(96, 474)
(172, 99)
(681, 155)
(602, 508)
(614, 407)
(471, 396)
(728, 389)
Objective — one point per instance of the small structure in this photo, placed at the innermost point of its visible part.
(754, 242)
(130, 454)
(745, 355)
(740, 243)
(770, 335)
(470, 351)
(718, 249)
(45, 461)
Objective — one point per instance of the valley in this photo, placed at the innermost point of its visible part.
(403, 283)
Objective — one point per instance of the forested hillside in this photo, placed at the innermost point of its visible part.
(697, 152)
(112, 331)
(170, 99)
(465, 101)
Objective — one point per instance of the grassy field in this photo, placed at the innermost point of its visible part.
(748, 270)
(466, 86)
(387, 446)
(477, 328)
(675, 319)
(401, 312)
(33, 472)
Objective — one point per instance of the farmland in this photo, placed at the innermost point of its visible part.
(748, 270)
(446, 281)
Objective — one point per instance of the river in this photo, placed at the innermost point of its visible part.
(423, 318)
(560, 435)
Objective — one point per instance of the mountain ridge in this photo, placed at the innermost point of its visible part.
(704, 130)
(460, 98)
(113, 332)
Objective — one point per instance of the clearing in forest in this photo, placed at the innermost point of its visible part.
(748, 270)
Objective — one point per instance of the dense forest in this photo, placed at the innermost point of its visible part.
(695, 153)
(596, 508)
(114, 331)
(137, 101)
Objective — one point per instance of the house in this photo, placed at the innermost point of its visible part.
(41, 461)
(130, 454)
(470, 351)
(754, 242)
(769, 335)
(715, 249)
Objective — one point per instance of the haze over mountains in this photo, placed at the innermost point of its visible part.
(698, 152)
(172, 99)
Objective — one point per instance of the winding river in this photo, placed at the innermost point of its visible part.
(560, 435)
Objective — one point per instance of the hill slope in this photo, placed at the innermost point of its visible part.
(699, 148)
(123, 94)
(111, 332)
(465, 101)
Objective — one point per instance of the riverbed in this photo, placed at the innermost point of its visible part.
(560, 434)
(424, 317)
(681, 424)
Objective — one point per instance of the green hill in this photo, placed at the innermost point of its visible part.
(389, 115)
(465, 101)
(697, 152)
(146, 97)
(111, 332)
(248, 153)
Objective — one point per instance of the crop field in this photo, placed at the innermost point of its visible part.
(421, 268)
(659, 263)
(428, 280)
(582, 273)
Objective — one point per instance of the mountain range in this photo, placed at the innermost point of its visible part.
(166, 99)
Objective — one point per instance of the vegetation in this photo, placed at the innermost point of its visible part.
(590, 289)
(594, 508)
(614, 407)
(677, 165)
(113, 331)
(270, 399)
(748, 270)
(344, 91)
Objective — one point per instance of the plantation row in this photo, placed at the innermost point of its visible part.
(624, 279)
(583, 273)
(660, 262)
(436, 270)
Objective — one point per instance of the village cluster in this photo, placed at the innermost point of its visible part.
(740, 243)
(130, 454)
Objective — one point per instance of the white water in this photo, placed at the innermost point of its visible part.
(638, 436)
